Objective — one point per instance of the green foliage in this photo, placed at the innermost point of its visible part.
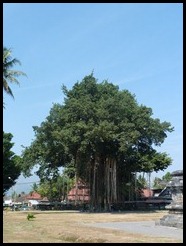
(30, 216)
(55, 189)
(98, 122)
(141, 182)
(34, 187)
(157, 183)
(160, 183)
(167, 177)
(11, 163)
(9, 75)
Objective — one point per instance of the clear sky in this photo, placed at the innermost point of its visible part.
(137, 46)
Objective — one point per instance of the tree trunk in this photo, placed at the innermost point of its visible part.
(76, 180)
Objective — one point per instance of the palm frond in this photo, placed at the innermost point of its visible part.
(9, 75)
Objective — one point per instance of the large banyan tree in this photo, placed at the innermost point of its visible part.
(105, 134)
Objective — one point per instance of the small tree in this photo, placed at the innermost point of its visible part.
(160, 183)
(167, 177)
(34, 187)
(157, 184)
(11, 167)
(141, 182)
(55, 189)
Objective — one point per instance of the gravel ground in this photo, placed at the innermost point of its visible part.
(144, 227)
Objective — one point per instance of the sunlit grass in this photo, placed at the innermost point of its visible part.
(72, 227)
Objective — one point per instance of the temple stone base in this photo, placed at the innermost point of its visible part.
(175, 216)
(173, 220)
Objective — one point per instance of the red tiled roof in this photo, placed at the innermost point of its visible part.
(34, 195)
(82, 192)
(147, 192)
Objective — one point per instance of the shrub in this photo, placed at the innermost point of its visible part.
(30, 216)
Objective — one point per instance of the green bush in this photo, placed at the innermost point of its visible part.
(30, 216)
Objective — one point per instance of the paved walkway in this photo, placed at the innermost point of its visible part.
(144, 227)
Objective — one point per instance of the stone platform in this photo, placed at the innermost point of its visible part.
(175, 216)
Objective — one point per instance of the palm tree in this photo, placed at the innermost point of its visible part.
(8, 74)
(34, 187)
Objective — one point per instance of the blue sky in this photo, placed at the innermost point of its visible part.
(138, 47)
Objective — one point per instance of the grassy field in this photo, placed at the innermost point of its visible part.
(71, 227)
